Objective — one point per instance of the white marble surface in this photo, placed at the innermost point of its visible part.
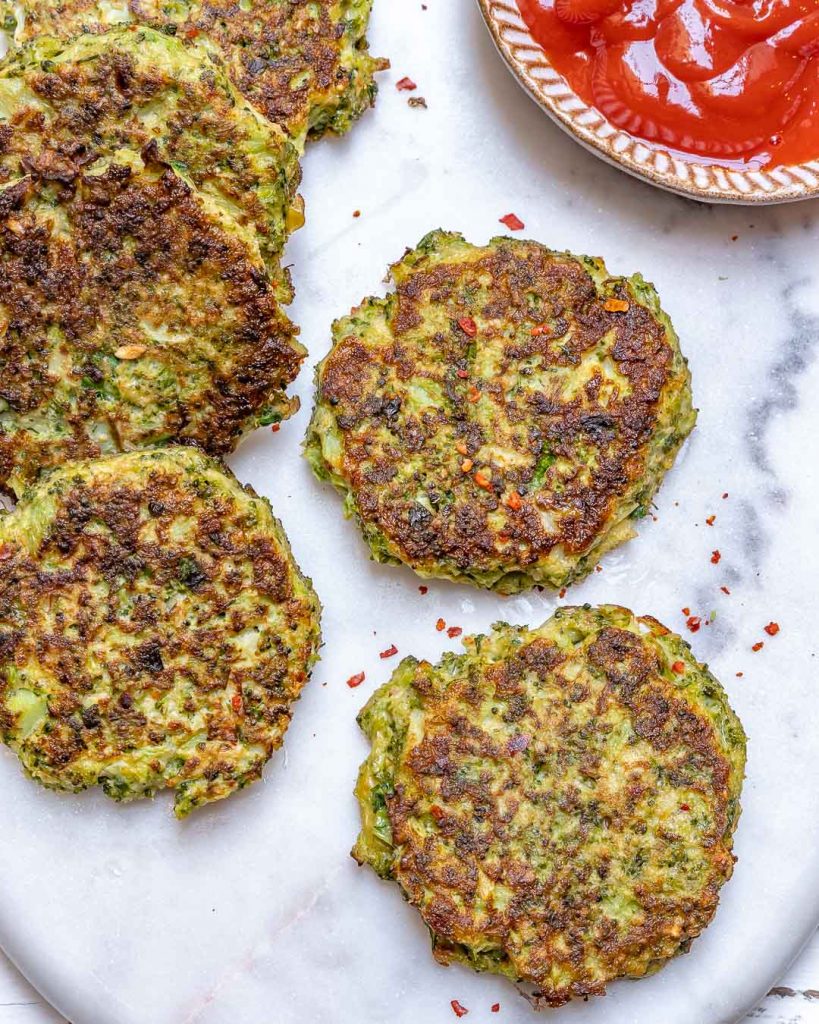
(252, 910)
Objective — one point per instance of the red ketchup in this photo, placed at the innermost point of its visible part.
(728, 81)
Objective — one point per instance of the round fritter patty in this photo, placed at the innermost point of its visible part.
(504, 416)
(131, 314)
(66, 106)
(154, 628)
(304, 65)
(558, 803)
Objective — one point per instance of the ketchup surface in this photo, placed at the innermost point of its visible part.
(729, 81)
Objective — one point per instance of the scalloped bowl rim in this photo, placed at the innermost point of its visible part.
(709, 183)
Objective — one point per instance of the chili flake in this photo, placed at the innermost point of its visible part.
(678, 667)
(685, 807)
(740, 675)
(686, 611)
(725, 495)
(390, 652)
(758, 646)
(275, 428)
(725, 590)
(473, 394)
(440, 625)
(513, 222)
(482, 481)
(423, 590)
(540, 329)
(355, 680)
(457, 1009)
(468, 326)
(710, 520)
(463, 374)
(454, 631)
(236, 702)
(615, 306)
(495, 1007)
(693, 622)
(715, 557)
(405, 84)
(514, 502)
(772, 628)
(437, 812)
(562, 592)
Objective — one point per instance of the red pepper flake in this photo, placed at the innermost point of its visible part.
(390, 652)
(725, 590)
(437, 812)
(463, 374)
(405, 84)
(598, 568)
(740, 675)
(686, 611)
(473, 394)
(758, 646)
(715, 557)
(678, 667)
(495, 1007)
(725, 496)
(236, 702)
(457, 1009)
(615, 306)
(356, 213)
(482, 480)
(191, 32)
(275, 428)
(355, 680)
(693, 622)
(772, 628)
(562, 592)
(710, 520)
(454, 631)
(540, 329)
(423, 590)
(514, 502)
(684, 807)
(440, 625)
(468, 326)
(513, 222)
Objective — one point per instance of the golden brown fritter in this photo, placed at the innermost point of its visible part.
(143, 208)
(303, 63)
(504, 415)
(155, 630)
(130, 317)
(558, 803)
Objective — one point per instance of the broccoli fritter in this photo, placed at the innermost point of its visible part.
(68, 106)
(558, 803)
(304, 64)
(143, 207)
(155, 630)
(504, 415)
(132, 315)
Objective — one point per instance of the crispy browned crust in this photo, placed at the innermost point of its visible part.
(473, 528)
(134, 242)
(141, 588)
